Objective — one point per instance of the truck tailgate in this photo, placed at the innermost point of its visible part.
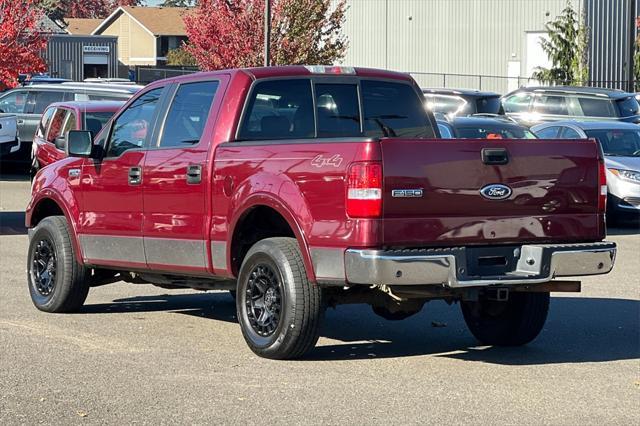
(553, 187)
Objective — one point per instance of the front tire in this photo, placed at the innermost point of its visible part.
(57, 282)
(514, 322)
(278, 309)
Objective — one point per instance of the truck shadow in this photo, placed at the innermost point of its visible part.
(12, 223)
(579, 329)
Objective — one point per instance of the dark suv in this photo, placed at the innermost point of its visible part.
(534, 105)
(456, 102)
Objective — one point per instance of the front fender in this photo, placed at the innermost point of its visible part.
(54, 183)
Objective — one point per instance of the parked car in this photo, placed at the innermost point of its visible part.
(50, 140)
(491, 127)
(304, 187)
(454, 102)
(8, 135)
(28, 103)
(535, 105)
(31, 79)
(621, 146)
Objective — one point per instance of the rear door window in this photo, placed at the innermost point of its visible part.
(553, 105)
(549, 132)
(569, 133)
(394, 110)
(279, 109)
(188, 114)
(337, 110)
(42, 99)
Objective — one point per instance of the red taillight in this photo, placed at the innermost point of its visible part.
(602, 187)
(364, 190)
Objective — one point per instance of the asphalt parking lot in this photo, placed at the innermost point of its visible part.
(140, 354)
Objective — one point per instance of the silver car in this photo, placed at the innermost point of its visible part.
(621, 146)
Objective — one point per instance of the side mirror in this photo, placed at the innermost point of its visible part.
(80, 144)
(60, 142)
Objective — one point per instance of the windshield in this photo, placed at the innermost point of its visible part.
(619, 142)
(628, 107)
(494, 132)
(94, 121)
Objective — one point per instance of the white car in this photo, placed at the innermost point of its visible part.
(621, 146)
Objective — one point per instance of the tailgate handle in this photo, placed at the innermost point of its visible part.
(495, 156)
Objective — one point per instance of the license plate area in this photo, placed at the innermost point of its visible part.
(490, 261)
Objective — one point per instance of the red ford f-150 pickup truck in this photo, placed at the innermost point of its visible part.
(301, 187)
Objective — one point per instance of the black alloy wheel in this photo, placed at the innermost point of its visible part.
(264, 300)
(44, 267)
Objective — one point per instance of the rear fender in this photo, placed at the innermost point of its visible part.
(286, 201)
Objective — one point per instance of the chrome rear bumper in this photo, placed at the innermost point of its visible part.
(530, 264)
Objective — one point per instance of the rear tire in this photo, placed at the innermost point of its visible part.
(57, 282)
(514, 322)
(278, 309)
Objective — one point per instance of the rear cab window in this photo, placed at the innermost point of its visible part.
(303, 108)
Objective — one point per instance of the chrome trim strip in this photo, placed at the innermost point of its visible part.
(328, 263)
(219, 254)
(537, 264)
(112, 248)
(176, 252)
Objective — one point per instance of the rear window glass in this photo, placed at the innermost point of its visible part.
(337, 110)
(394, 110)
(94, 121)
(43, 100)
(279, 109)
(490, 105)
(628, 107)
(489, 132)
(518, 102)
(593, 107)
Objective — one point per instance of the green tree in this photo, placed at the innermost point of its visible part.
(566, 49)
(180, 57)
(636, 64)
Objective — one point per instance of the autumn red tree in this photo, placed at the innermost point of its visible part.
(20, 42)
(229, 34)
(59, 9)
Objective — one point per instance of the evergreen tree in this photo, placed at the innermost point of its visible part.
(566, 49)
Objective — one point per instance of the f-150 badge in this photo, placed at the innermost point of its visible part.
(406, 193)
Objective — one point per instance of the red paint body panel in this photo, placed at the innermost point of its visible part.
(554, 182)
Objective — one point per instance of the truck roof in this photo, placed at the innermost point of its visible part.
(300, 70)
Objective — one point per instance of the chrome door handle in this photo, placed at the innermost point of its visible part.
(135, 175)
(194, 174)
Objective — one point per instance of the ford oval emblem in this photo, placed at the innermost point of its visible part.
(496, 191)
